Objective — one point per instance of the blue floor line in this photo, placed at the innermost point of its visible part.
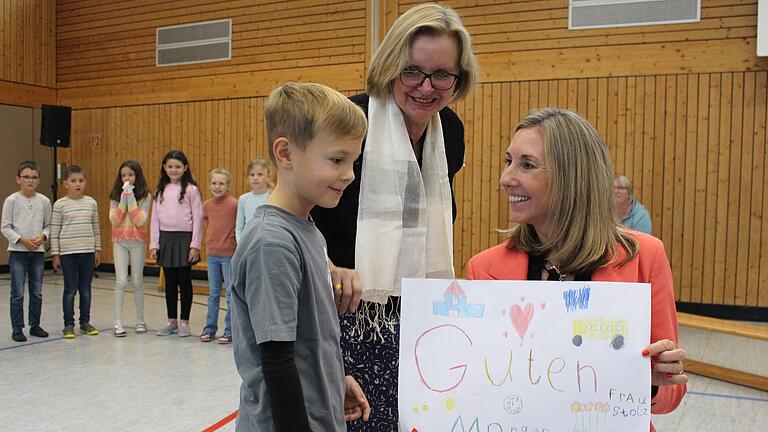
(727, 396)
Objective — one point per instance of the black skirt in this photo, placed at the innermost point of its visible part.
(174, 249)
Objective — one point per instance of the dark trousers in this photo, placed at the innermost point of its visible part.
(178, 279)
(26, 266)
(78, 274)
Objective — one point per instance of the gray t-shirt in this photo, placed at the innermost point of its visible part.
(281, 291)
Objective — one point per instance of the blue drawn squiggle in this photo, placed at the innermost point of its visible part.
(576, 299)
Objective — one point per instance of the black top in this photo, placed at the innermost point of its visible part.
(339, 224)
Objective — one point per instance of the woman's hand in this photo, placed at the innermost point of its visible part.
(347, 288)
(56, 263)
(355, 403)
(194, 255)
(666, 363)
(153, 254)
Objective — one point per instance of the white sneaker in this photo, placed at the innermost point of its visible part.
(184, 330)
(118, 330)
(169, 328)
(141, 327)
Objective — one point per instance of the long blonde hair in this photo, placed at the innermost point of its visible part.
(580, 196)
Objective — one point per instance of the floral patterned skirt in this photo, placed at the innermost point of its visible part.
(373, 362)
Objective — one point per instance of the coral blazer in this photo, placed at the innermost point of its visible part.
(649, 266)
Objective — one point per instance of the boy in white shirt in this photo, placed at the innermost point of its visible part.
(27, 225)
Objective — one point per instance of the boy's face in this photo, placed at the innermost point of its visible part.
(28, 179)
(75, 185)
(323, 169)
(218, 185)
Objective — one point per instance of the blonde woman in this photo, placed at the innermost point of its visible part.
(558, 175)
(396, 219)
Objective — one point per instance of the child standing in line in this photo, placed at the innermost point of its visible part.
(258, 178)
(289, 357)
(175, 234)
(27, 225)
(219, 215)
(75, 246)
(129, 204)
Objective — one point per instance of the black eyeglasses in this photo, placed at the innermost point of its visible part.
(29, 178)
(440, 79)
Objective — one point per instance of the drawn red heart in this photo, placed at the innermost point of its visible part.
(521, 318)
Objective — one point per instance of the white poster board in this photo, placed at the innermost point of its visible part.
(524, 356)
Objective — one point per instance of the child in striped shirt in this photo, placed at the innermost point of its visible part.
(75, 246)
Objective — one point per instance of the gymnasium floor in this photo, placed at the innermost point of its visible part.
(150, 383)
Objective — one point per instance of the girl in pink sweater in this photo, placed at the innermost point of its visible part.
(176, 231)
(128, 211)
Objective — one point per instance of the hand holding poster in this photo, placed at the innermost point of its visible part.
(524, 356)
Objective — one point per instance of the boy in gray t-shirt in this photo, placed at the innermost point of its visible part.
(284, 313)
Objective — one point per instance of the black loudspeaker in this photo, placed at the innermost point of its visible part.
(55, 126)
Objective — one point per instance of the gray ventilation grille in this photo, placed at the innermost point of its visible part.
(621, 13)
(194, 43)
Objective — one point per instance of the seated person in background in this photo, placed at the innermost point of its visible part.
(627, 210)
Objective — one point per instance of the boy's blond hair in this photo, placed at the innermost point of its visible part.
(302, 111)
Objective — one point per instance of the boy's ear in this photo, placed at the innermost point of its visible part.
(283, 151)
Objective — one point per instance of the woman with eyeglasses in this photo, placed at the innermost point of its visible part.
(396, 219)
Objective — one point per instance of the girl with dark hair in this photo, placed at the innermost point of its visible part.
(128, 211)
(175, 235)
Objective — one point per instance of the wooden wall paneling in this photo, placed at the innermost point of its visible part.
(745, 189)
(699, 181)
(553, 93)
(628, 157)
(724, 154)
(657, 156)
(710, 218)
(758, 185)
(611, 118)
(591, 110)
(639, 138)
(669, 204)
(500, 143)
(761, 136)
(487, 149)
(676, 252)
(602, 107)
(646, 149)
(25, 35)
(477, 169)
(734, 188)
(621, 126)
(689, 188)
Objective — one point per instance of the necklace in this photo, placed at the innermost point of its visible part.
(554, 272)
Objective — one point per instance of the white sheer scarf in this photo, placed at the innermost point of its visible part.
(404, 221)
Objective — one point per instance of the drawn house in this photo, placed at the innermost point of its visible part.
(455, 304)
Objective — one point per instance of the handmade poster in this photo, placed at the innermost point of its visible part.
(524, 356)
